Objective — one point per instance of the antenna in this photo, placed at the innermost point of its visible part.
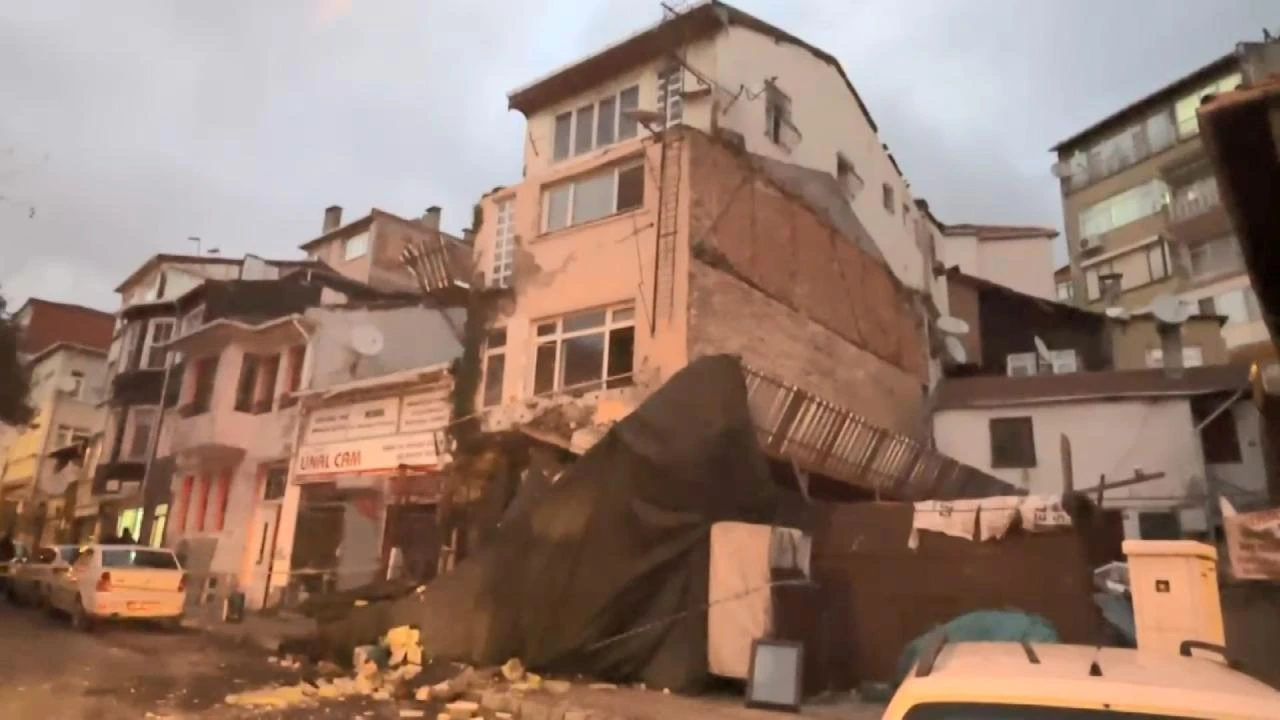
(956, 350)
(366, 340)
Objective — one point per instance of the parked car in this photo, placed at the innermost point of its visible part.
(7, 566)
(29, 582)
(121, 582)
(1021, 681)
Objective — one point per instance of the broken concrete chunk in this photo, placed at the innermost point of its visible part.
(513, 670)
(411, 712)
(423, 694)
(414, 655)
(462, 709)
(533, 680)
(361, 603)
(377, 654)
(558, 687)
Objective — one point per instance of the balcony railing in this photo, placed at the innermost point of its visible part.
(1193, 201)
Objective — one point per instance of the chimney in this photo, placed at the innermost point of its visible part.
(332, 219)
(431, 218)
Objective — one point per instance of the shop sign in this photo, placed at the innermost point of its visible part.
(354, 422)
(1253, 544)
(425, 411)
(427, 449)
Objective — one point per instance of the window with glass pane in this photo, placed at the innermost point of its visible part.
(592, 198)
(607, 122)
(1066, 291)
(144, 420)
(1233, 306)
(584, 130)
(1158, 261)
(503, 245)
(597, 125)
(590, 349)
(670, 102)
(495, 364)
(1123, 208)
(628, 99)
(557, 205)
(563, 136)
(156, 355)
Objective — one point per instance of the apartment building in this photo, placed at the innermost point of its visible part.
(64, 349)
(715, 67)
(1018, 257)
(1142, 211)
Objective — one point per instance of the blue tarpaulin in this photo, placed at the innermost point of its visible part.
(983, 626)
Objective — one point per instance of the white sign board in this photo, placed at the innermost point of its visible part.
(427, 449)
(1253, 544)
(425, 411)
(354, 422)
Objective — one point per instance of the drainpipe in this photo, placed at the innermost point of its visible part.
(144, 527)
(287, 522)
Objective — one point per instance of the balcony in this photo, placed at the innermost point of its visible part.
(117, 471)
(137, 387)
(218, 439)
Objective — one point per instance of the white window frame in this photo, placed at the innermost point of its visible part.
(622, 129)
(1066, 291)
(132, 334)
(1022, 364)
(504, 244)
(1104, 216)
(617, 317)
(144, 360)
(670, 99)
(1064, 361)
(489, 353)
(126, 448)
(573, 184)
(77, 384)
(356, 246)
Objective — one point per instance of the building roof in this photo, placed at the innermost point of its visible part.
(56, 322)
(58, 346)
(1242, 140)
(163, 258)
(704, 19)
(1164, 95)
(994, 391)
(999, 232)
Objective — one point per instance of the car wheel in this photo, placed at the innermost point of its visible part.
(80, 619)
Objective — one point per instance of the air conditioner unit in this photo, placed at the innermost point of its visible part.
(1090, 244)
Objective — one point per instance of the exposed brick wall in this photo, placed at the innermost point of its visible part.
(728, 316)
(53, 322)
(778, 244)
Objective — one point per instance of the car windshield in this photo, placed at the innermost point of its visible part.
(151, 559)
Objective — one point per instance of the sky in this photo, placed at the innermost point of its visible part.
(127, 127)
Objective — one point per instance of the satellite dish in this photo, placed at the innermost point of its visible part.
(1041, 349)
(366, 340)
(1116, 312)
(956, 350)
(1170, 310)
(67, 384)
(952, 325)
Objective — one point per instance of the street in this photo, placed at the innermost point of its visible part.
(50, 672)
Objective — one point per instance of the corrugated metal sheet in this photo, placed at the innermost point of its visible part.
(830, 440)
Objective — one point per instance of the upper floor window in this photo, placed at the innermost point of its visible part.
(778, 126)
(1184, 110)
(1239, 306)
(1066, 291)
(1123, 208)
(590, 349)
(1215, 257)
(596, 125)
(142, 423)
(76, 387)
(1013, 443)
(355, 246)
(848, 176)
(504, 244)
(204, 371)
(670, 98)
(154, 353)
(592, 197)
(248, 382)
(1194, 199)
(887, 191)
(1122, 150)
(495, 365)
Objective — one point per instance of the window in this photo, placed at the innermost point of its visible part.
(593, 197)
(154, 355)
(205, 371)
(160, 518)
(133, 333)
(1215, 257)
(143, 423)
(595, 126)
(495, 364)
(356, 246)
(1219, 437)
(149, 559)
(1184, 110)
(595, 348)
(1012, 443)
(1123, 208)
(777, 117)
(848, 176)
(202, 503)
(670, 100)
(184, 502)
(1124, 149)
(1066, 291)
(1192, 356)
(77, 384)
(1022, 364)
(274, 481)
(1194, 199)
(247, 383)
(504, 245)
(888, 197)
(1062, 362)
(1158, 260)
(264, 395)
(222, 495)
(1239, 306)
(296, 360)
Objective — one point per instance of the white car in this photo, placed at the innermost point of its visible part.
(121, 582)
(29, 582)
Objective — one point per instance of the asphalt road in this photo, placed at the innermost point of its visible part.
(50, 672)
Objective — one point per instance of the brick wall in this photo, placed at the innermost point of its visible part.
(774, 282)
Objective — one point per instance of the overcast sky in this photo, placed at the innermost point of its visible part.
(133, 124)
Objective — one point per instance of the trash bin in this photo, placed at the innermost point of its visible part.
(233, 607)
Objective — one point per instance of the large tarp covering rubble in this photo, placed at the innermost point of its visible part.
(588, 578)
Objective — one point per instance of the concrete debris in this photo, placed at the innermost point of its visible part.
(558, 687)
(462, 709)
(411, 713)
(603, 686)
(361, 603)
(513, 670)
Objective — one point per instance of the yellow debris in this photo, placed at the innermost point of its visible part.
(361, 603)
(276, 697)
(513, 670)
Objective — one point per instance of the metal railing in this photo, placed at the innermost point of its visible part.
(1196, 200)
(823, 438)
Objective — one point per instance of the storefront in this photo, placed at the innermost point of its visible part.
(369, 480)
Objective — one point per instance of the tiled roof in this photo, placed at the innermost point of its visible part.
(990, 391)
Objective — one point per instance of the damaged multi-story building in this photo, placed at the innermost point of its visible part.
(685, 195)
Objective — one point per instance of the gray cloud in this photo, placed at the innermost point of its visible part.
(239, 121)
